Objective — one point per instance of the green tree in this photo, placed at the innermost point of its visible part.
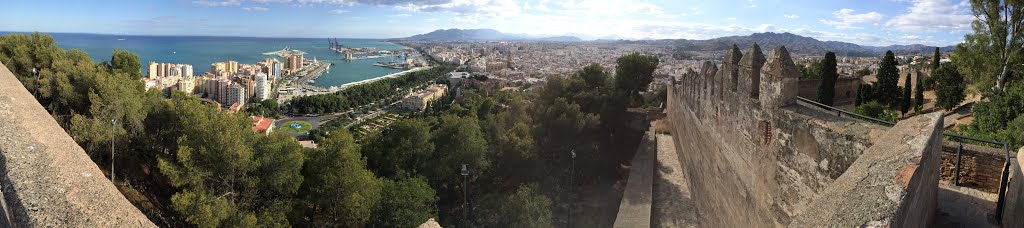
(212, 165)
(1000, 116)
(524, 208)
(813, 70)
(886, 90)
(338, 189)
(919, 93)
(992, 52)
(935, 59)
(906, 102)
(827, 86)
(404, 147)
(458, 140)
(633, 73)
(126, 62)
(406, 202)
(949, 89)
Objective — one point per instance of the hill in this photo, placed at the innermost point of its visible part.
(795, 43)
(479, 35)
(801, 44)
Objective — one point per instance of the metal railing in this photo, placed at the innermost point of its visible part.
(1000, 202)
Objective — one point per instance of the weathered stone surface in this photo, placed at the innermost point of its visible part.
(894, 183)
(48, 180)
(673, 203)
(779, 80)
(751, 167)
(730, 68)
(635, 207)
(1013, 215)
(750, 71)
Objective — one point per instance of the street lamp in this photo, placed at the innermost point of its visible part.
(113, 122)
(572, 171)
(35, 72)
(464, 168)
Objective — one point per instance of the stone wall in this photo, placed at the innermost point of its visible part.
(47, 179)
(893, 184)
(981, 167)
(1013, 213)
(753, 155)
(846, 90)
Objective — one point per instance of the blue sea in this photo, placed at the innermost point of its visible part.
(201, 51)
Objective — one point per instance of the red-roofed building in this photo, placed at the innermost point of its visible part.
(262, 124)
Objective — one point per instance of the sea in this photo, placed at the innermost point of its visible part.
(201, 51)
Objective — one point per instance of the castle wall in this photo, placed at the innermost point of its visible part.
(754, 157)
(893, 184)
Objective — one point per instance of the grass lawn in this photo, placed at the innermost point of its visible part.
(287, 127)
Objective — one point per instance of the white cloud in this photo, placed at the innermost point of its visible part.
(338, 11)
(847, 19)
(402, 15)
(255, 8)
(791, 16)
(217, 3)
(933, 15)
(542, 7)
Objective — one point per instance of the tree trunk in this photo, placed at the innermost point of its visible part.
(1002, 75)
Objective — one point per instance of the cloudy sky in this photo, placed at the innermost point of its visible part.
(868, 22)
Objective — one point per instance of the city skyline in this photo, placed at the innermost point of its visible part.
(876, 22)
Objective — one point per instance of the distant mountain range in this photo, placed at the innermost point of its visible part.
(795, 43)
(801, 44)
(480, 35)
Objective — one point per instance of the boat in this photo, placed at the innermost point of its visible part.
(121, 39)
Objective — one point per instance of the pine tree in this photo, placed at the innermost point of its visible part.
(827, 86)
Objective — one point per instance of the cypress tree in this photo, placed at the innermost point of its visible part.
(827, 86)
(935, 59)
(919, 93)
(887, 90)
(905, 104)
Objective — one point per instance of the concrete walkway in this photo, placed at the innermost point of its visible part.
(635, 208)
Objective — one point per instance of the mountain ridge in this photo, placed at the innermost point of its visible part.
(795, 43)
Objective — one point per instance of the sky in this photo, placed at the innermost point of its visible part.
(865, 22)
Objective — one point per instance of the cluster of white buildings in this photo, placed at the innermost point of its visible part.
(532, 60)
(229, 83)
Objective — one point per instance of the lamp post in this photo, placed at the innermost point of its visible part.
(35, 72)
(464, 168)
(113, 122)
(572, 171)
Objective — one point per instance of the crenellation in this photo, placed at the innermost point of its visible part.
(779, 80)
(730, 64)
(750, 71)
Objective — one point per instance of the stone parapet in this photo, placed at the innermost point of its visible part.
(893, 184)
(48, 180)
(1013, 213)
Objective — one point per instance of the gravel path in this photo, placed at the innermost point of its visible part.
(673, 206)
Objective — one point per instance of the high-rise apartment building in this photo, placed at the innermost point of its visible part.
(262, 87)
(153, 69)
(235, 95)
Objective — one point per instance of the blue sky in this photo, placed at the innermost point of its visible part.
(868, 22)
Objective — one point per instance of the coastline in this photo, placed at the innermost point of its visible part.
(351, 84)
